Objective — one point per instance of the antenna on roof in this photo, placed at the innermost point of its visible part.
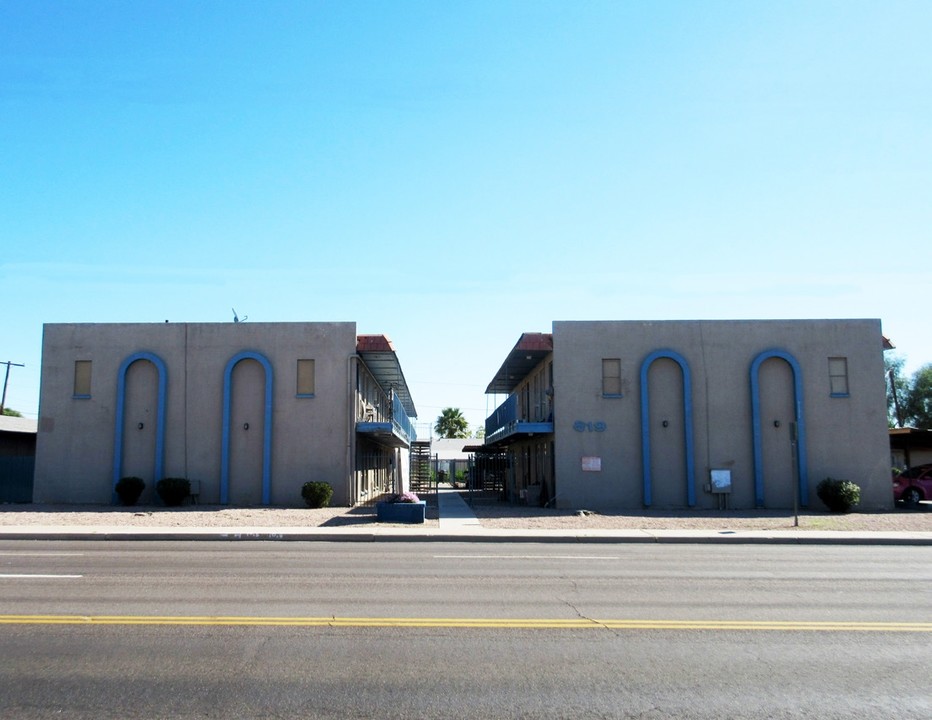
(236, 318)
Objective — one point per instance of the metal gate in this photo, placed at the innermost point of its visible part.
(489, 476)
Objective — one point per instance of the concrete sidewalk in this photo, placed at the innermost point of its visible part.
(458, 523)
(455, 514)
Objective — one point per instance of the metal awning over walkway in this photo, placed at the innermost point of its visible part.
(378, 353)
(526, 355)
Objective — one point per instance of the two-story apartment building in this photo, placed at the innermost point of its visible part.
(247, 411)
(706, 414)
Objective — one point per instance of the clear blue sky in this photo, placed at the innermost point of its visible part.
(455, 173)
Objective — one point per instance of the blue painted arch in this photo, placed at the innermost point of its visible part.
(267, 434)
(120, 414)
(688, 424)
(800, 419)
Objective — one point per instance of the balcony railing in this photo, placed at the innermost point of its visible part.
(393, 428)
(505, 423)
(503, 415)
(400, 421)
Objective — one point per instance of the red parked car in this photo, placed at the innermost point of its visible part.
(913, 485)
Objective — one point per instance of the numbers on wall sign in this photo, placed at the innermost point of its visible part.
(586, 426)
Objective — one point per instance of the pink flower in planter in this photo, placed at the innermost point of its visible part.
(406, 497)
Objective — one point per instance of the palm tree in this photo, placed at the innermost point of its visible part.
(451, 424)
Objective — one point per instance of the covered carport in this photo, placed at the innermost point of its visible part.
(17, 458)
(910, 447)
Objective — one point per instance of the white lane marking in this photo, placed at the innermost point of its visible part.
(40, 554)
(526, 557)
(24, 576)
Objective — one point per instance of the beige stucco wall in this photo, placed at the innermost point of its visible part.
(310, 440)
(845, 437)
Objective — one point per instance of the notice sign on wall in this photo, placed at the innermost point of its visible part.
(592, 464)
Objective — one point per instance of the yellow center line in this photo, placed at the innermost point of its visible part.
(503, 623)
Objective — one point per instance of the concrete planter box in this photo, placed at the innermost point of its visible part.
(401, 512)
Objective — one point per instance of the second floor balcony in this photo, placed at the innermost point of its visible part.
(506, 424)
(387, 421)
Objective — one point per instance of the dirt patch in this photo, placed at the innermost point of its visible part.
(516, 516)
(187, 516)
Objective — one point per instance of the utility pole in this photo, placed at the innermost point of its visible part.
(6, 379)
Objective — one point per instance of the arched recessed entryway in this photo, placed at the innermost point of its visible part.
(266, 411)
(761, 451)
(158, 447)
(686, 448)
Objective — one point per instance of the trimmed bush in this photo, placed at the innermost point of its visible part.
(128, 489)
(838, 495)
(173, 491)
(317, 494)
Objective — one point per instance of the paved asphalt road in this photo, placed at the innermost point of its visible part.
(398, 630)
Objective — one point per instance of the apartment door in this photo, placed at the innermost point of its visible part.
(777, 415)
(140, 425)
(667, 434)
(247, 432)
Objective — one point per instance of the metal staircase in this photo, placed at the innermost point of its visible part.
(421, 482)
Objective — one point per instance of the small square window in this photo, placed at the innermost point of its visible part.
(305, 382)
(611, 377)
(82, 378)
(838, 376)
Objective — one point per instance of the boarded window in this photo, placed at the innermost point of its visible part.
(82, 378)
(838, 376)
(611, 376)
(305, 386)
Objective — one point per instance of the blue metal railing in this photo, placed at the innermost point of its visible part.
(504, 415)
(400, 420)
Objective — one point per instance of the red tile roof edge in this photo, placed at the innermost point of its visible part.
(374, 343)
(535, 341)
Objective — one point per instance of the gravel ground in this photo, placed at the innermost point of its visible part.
(184, 517)
(523, 517)
(490, 515)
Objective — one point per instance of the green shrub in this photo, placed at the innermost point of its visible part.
(838, 495)
(128, 489)
(317, 494)
(173, 491)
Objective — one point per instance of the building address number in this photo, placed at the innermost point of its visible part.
(583, 426)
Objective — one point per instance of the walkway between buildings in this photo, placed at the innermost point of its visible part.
(455, 514)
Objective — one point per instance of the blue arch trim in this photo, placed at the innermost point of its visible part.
(120, 413)
(688, 420)
(267, 436)
(800, 419)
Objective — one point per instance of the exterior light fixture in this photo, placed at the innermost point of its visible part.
(245, 426)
